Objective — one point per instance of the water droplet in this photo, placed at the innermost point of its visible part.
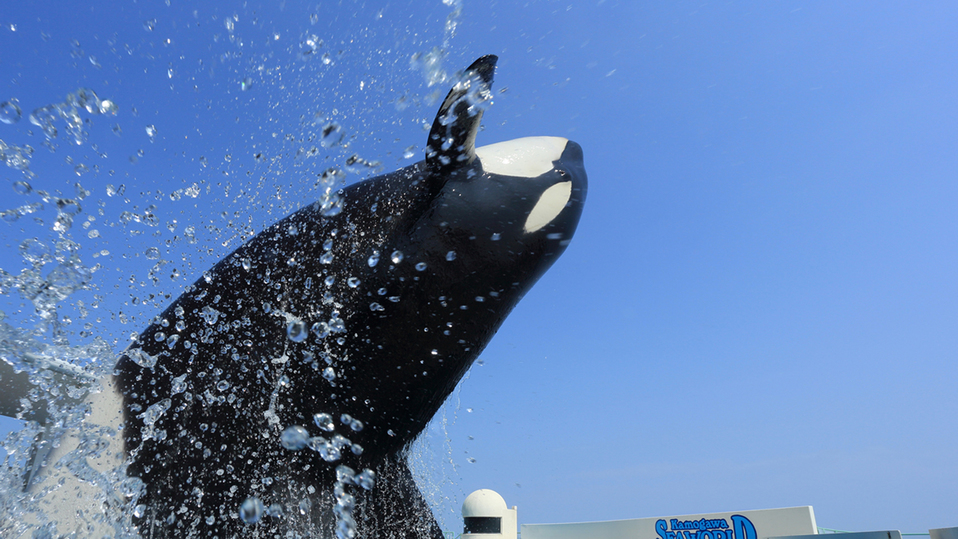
(396, 257)
(155, 411)
(141, 358)
(309, 48)
(373, 259)
(246, 263)
(353, 282)
(330, 453)
(210, 314)
(179, 385)
(329, 374)
(366, 479)
(44, 117)
(450, 256)
(151, 132)
(22, 188)
(107, 106)
(297, 331)
(149, 25)
(345, 475)
(421, 266)
(376, 307)
(34, 251)
(251, 510)
(10, 112)
(222, 385)
(246, 84)
(409, 152)
(496, 236)
(351, 422)
(317, 442)
(332, 135)
(294, 438)
(153, 253)
(320, 329)
(326, 258)
(131, 486)
(324, 421)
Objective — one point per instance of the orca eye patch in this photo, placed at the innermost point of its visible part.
(550, 204)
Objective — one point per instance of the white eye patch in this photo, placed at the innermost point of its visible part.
(550, 204)
(526, 157)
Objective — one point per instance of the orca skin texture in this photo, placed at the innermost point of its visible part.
(410, 333)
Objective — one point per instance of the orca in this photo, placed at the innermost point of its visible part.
(300, 368)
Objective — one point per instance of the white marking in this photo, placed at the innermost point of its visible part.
(526, 157)
(550, 204)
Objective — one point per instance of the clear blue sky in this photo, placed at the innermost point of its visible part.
(759, 309)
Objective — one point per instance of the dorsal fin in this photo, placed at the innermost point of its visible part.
(452, 140)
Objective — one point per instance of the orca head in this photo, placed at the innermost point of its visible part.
(511, 207)
(546, 171)
(518, 209)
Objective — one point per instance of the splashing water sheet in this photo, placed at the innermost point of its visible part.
(154, 148)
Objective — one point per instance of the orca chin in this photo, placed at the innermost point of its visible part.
(321, 348)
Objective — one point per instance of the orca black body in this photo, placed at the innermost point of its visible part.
(371, 316)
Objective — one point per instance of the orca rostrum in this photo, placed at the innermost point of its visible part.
(329, 340)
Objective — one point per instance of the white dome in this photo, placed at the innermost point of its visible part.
(484, 503)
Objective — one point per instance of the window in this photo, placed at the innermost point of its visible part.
(482, 525)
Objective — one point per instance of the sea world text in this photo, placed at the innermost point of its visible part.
(741, 528)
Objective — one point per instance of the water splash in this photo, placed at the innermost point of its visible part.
(82, 100)
(68, 121)
(251, 510)
(294, 438)
(10, 112)
(324, 421)
(17, 157)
